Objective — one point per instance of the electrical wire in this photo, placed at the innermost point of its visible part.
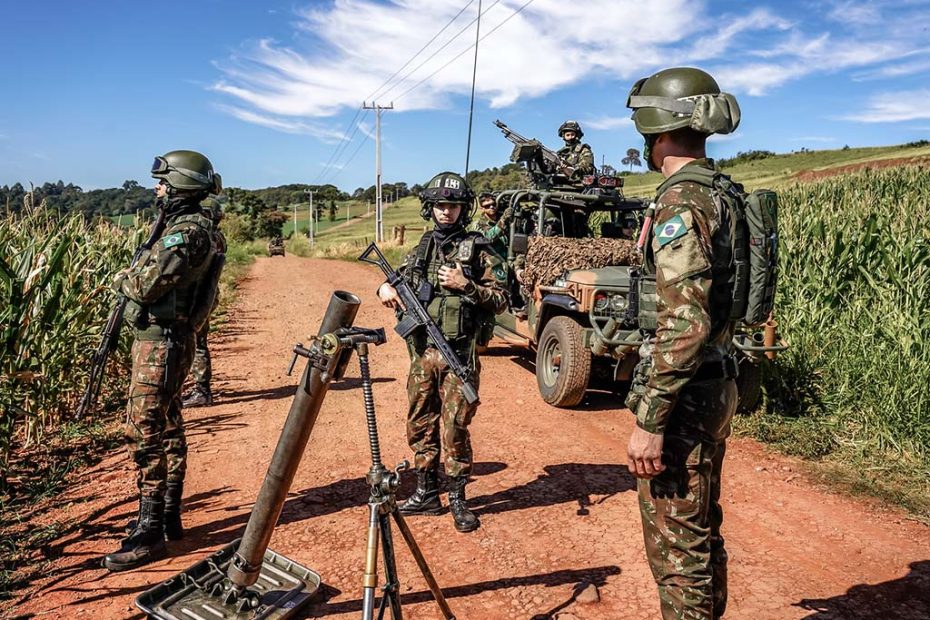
(339, 147)
(464, 51)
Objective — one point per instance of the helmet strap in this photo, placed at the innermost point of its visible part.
(650, 140)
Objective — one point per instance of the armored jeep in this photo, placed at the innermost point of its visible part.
(584, 319)
(276, 247)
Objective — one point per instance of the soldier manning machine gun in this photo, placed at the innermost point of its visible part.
(245, 580)
(110, 336)
(541, 162)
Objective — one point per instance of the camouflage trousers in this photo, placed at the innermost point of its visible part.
(680, 508)
(434, 393)
(202, 368)
(154, 425)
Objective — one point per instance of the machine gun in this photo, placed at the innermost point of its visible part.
(110, 336)
(543, 164)
(415, 315)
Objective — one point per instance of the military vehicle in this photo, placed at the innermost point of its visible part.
(276, 247)
(584, 322)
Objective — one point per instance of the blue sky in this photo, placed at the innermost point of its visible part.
(270, 90)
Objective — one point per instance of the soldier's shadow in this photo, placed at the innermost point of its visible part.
(907, 597)
(581, 483)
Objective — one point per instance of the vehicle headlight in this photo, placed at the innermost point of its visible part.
(560, 282)
(619, 303)
(600, 303)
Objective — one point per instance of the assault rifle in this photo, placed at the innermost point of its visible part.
(415, 315)
(110, 336)
(541, 161)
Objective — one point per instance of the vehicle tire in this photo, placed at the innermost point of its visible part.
(563, 364)
(748, 385)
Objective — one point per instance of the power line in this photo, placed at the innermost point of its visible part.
(339, 146)
(374, 94)
(466, 50)
(349, 161)
(444, 46)
(342, 147)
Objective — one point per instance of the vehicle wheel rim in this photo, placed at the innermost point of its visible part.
(553, 361)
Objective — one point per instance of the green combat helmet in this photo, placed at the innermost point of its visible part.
(678, 98)
(447, 187)
(571, 126)
(187, 171)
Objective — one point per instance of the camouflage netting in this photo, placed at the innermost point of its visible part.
(549, 257)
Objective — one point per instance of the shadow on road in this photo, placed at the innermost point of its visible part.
(567, 482)
(907, 598)
(244, 396)
(582, 577)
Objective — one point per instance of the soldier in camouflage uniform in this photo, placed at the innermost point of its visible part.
(491, 224)
(167, 300)
(577, 157)
(461, 281)
(201, 394)
(684, 393)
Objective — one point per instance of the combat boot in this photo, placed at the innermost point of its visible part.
(425, 500)
(198, 396)
(173, 528)
(146, 543)
(465, 519)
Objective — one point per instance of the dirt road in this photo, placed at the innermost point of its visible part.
(557, 505)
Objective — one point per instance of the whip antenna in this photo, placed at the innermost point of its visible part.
(471, 108)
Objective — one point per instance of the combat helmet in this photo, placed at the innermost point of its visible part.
(682, 97)
(185, 171)
(447, 187)
(571, 126)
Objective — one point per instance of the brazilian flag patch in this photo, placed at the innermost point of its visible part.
(670, 230)
(172, 240)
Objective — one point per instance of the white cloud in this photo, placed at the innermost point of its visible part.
(343, 51)
(608, 123)
(893, 107)
(325, 134)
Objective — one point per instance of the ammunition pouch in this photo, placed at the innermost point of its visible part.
(136, 315)
(648, 302)
(206, 294)
(454, 316)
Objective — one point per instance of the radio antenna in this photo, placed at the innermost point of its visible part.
(471, 109)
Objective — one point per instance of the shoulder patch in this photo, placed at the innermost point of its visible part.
(670, 230)
(172, 240)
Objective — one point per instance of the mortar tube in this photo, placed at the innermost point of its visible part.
(247, 562)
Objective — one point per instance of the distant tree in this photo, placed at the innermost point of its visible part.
(632, 158)
(271, 223)
(332, 210)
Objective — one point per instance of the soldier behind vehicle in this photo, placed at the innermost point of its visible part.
(462, 283)
(683, 392)
(168, 301)
(201, 394)
(491, 224)
(576, 157)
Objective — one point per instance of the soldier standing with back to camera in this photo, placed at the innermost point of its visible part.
(577, 157)
(201, 393)
(169, 297)
(461, 282)
(684, 393)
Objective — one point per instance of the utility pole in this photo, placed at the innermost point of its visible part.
(379, 215)
(310, 226)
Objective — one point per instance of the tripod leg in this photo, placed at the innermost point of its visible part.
(424, 567)
(370, 578)
(391, 584)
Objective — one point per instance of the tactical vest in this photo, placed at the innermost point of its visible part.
(458, 317)
(744, 250)
(721, 292)
(189, 300)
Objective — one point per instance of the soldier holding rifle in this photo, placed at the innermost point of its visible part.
(171, 290)
(461, 282)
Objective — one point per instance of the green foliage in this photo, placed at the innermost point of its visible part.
(54, 281)
(743, 157)
(130, 198)
(271, 223)
(852, 303)
(510, 176)
(237, 228)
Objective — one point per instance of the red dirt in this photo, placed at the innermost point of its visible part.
(557, 505)
(877, 164)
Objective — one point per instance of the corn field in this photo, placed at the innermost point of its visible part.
(54, 281)
(854, 303)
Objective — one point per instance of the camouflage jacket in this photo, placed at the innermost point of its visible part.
(458, 313)
(579, 157)
(689, 254)
(163, 282)
(493, 231)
